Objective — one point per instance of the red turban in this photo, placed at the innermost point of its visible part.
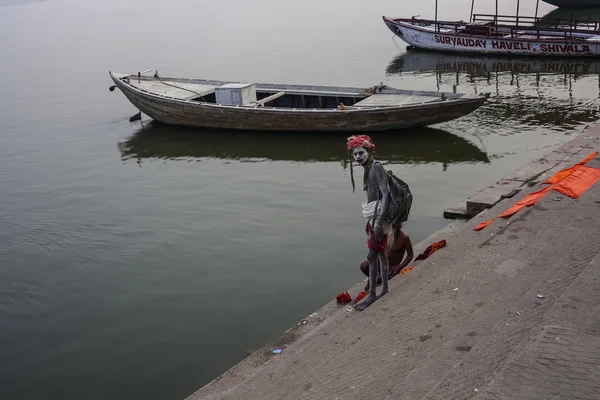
(360, 141)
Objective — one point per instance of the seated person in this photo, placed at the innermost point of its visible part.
(395, 251)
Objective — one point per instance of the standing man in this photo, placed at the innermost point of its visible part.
(361, 149)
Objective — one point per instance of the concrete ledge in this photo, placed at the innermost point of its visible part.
(531, 171)
(458, 211)
(484, 199)
(562, 157)
(556, 157)
(492, 195)
(592, 131)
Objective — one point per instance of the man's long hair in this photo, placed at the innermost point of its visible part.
(351, 169)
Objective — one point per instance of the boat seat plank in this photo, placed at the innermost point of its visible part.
(179, 92)
(535, 37)
(268, 99)
(480, 23)
(318, 92)
(387, 100)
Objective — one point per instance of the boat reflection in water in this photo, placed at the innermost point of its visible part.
(420, 61)
(559, 94)
(424, 145)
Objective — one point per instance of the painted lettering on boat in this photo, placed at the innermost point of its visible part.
(512, 45)
(502, 45)
(457, 41)
(564, 48)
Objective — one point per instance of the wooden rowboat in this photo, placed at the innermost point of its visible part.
(242, 106)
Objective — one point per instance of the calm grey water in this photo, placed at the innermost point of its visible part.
(140, 261)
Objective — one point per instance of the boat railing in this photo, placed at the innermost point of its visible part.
(525, 21)
(506, 26)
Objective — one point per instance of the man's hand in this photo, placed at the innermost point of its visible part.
(378, 233)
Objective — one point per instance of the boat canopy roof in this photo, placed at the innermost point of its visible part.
(496, 13)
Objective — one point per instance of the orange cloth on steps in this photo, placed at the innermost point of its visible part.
(431, 249)
(406, 270)
(572, 182)
(435, 246)
(578, 182)
(568, 171)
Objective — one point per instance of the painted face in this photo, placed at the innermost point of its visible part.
(360, 154)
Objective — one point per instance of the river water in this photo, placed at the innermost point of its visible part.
(141, 261)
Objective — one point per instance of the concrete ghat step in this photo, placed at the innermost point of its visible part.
(496, 309)
(457, 211)
(531, 174)
(492, 195)
(484, 199)
(561, 362)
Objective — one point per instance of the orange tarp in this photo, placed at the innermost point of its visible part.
(572, 182)
(578, 182)
(568, 171)
(526, 201)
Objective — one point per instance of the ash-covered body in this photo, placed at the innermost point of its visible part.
(375, 184)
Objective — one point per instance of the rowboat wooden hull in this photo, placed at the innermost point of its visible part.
(432, 35)
(183, 102)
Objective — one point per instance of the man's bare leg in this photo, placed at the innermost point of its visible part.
(372, 259)
(364, 267)
(383, 262)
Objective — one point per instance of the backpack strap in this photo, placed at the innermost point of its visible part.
(376, 215)
(387, 185)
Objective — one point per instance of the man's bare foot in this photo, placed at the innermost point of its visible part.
(366, 302)
(383, 293)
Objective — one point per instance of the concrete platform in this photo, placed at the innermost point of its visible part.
(475, 320)
(560, 362)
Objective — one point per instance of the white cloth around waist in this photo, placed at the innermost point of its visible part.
(368, 209)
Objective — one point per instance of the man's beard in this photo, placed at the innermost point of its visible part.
(366, 162)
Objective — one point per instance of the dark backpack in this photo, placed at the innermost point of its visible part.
(400, 199)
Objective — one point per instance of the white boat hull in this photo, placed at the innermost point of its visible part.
(426, 37)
